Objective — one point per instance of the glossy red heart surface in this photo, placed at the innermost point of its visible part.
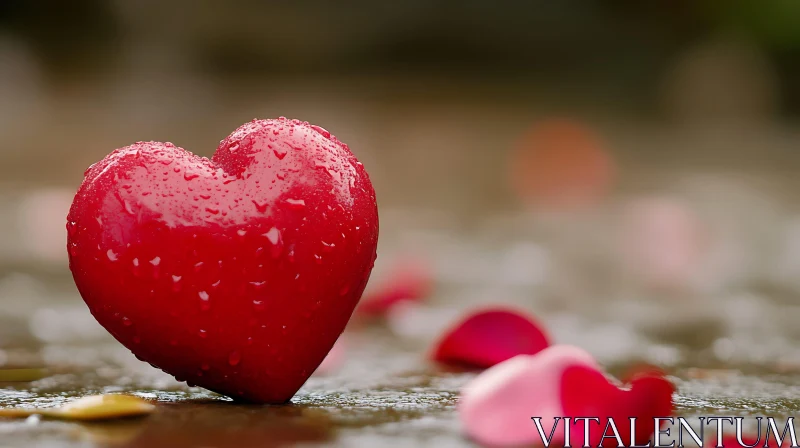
(237, 273)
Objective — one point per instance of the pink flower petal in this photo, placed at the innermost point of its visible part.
(560, 381)
(410, 280)
(496, 407)
(490, 336)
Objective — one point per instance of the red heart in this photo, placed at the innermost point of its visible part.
(237, 273)
(587, 392)
(490, 336)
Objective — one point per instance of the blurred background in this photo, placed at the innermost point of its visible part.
(626, 171)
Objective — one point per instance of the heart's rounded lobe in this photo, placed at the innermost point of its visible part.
(237, 273)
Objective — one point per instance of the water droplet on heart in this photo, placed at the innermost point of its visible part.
(261, 207)
(127, 322)
(213, 211)
(204, 302)
(324, 132)
(318, 258)
(128, 207)
(241, 232)
(250, 340)
(205, 196)
(205, 366)
(297, 204)
(280, 153)
(274, 237)
(111, 255)
(155, 261)
(189, 176)
(136, 262)
(258, 285)
(234, 358)
(198, 266)
(328, 247)
(284, 330)
(202, 334)
(176, 283)
(216, 284)
(259, 305)
(344, 290)
(233, 147)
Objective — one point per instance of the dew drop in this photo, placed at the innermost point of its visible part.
(189, 176)
(297, 204)
(155, 261)
(324, 132)
(234, 358)
(241, 232)
(280, 153)
(127, 322)
(111, 255)
(202, 334)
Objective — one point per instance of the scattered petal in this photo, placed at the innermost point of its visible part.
(490, 336)
(91, 408)
(496, 407)
(561, 381)
(587, 391)
(410, 281)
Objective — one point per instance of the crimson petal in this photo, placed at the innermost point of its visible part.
(490, 336)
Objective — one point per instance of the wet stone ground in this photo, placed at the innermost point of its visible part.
(378, 397)
(730, 348)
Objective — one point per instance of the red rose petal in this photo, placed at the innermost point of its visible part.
(496, 407)
(490, 336)
(410, 280)
(587, 392)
